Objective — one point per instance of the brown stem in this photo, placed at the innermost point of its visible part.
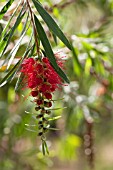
(34, 28)
(88, 142)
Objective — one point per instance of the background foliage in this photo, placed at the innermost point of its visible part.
(88, 97)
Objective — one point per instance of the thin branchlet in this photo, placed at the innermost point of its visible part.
(34, 28)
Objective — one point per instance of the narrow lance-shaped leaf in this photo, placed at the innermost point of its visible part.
(4, 41)
(43, 148)
(8, 23)
(19, 82)
(48, 49)
(8, 77)
(46, 147)
(18, 20)
(51, 23)
(5, 8)
(20, 78)
(55, 38)
(16, 47)
(21, 60)
(77, 66)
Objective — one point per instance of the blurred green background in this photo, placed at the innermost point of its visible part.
(88, 97)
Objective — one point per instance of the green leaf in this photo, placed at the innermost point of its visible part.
(58, 108)
(48, 49)
(53, 129)
(54, 118)
(32, 50)
(31, 130)
(20, 78)
(4, 41)
(43, 147)
(9, 76)
(88, 65)
(55, 38)
(19, 82)
(76, 65)
(17, 45)
(21, 60)
(18, 20)
(13, 52)
(5, 8)
(46, 147)
(51, 23)
(26, 53)
(4, 30)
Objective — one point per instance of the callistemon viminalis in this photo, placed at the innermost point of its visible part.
(42, 80)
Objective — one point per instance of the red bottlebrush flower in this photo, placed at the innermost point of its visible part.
(43, 80)
(28, 61)
(39, 68)
(27, 66)
(48, 95)
(51, 75)
(38, 74)
(44, 88)
(34, 93)
(41, 76)
(31, 84)
(53, 87)
(45, 60)
(34, 81)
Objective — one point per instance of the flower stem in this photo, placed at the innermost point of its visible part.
(34, 28)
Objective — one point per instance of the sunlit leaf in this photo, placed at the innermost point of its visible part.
(9, 76)
(54, 118)
(5, 29)
(5, 8)
(17, 45)
(88, 65)
(18, 20)
(76, 64)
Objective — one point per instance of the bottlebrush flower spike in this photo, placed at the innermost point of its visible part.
(42, 80)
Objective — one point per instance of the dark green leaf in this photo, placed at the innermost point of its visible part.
(43, 147)
(48, 49)
(5, 8)
(4, 41)
(51, 23)
(32, 51)
(55, 38)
